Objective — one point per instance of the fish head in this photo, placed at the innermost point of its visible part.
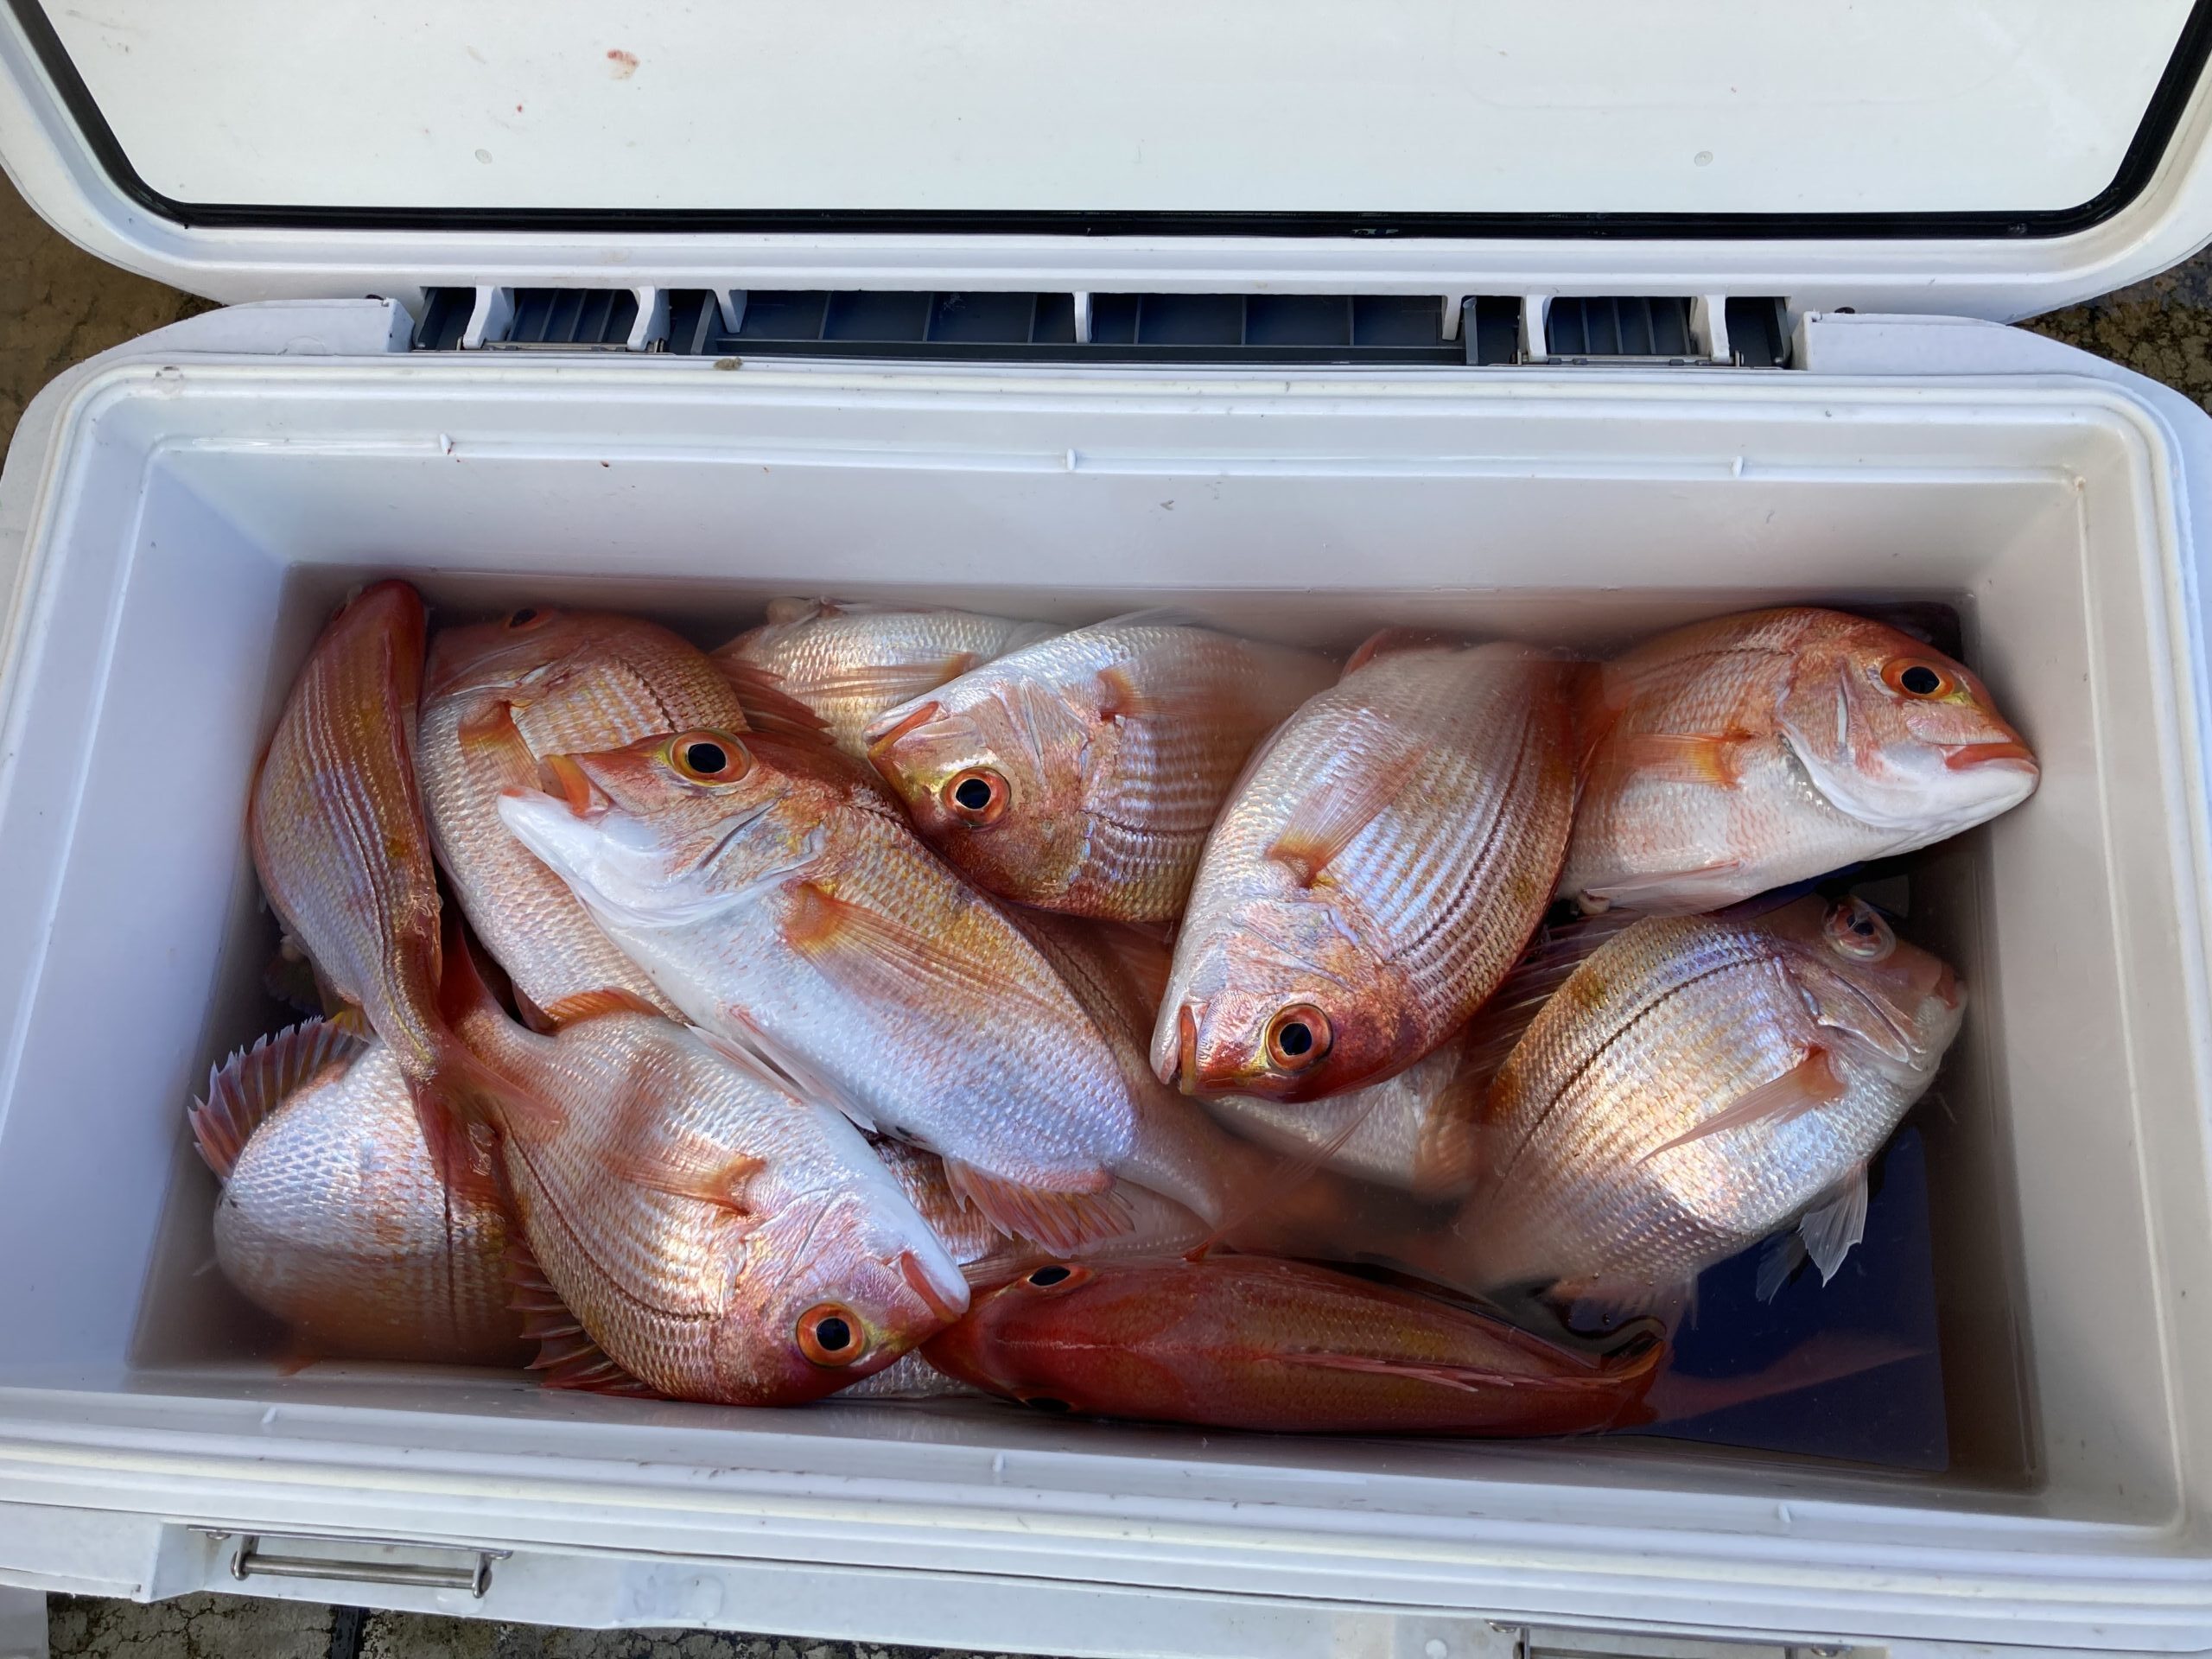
(1286, 1001)
(1062, 1336)
(832, 1287)
(1892, 1003)
(659, 832)
(1897, 735)
(991, 770)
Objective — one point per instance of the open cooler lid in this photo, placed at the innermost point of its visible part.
(1951, 154)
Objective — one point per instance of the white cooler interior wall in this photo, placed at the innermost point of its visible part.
(2066, 1156)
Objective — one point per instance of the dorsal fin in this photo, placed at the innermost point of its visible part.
(568, 1355)
(769, 709)
(1387, 641)
(245, 1090)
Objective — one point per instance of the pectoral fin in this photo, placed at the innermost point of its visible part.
(1837, 1221)
(591, 1004)
(768, 707)
(1331, 817)
(889, 684)
(1640, 892)
(1714, 758)
(708, 1173)
(877, 957)
(1810, 1083)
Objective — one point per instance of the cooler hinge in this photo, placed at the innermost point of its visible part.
(1473, 330)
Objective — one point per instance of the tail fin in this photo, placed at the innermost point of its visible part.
(465, 1002)
(1826, 1356)
(465, 1089)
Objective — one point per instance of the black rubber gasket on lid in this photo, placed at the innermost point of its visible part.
(2145, 151)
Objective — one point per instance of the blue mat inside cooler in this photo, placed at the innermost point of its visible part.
(1878, 1312)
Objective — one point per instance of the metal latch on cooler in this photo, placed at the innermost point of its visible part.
(1377, 329)
(358, 1561)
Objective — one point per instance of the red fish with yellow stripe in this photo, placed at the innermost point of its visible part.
(1250, 1342)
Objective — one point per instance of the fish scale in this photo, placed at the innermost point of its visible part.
(336, 822)
(333, 1215)
(792, 910)
(1746, 753)
(1114, 746)
(690, 1210)
(571, 680)
(1246, 1342)
(849, 663)
(1599, 1164)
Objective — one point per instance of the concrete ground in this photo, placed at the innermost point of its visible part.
(59, 306)
(237, 1627)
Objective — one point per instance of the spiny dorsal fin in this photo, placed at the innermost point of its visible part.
(769, 709)
(247, 1088)
(1057, 1219)
(1387, 642)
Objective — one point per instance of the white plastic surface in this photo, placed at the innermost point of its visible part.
(1239, 105)
(176, 523)
(2056, 83)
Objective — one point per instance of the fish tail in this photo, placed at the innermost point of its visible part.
(1828, 1357)
(464, 1088)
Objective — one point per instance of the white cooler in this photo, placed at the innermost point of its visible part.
(1564, 322)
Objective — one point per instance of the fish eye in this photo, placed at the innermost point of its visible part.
(1909, 677)
(830, 1335)
(977, 796)
(527, 617)
(1297, 1037)
(709, 757)
(1856, 929)
(1045, 1276)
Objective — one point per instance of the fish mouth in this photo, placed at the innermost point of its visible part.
(919, 1281)
(564, 779)
(880, 744)
(1960, 756)
(1182, 1071)
(1946, 987)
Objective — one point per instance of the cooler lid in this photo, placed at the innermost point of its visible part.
(245, 147)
